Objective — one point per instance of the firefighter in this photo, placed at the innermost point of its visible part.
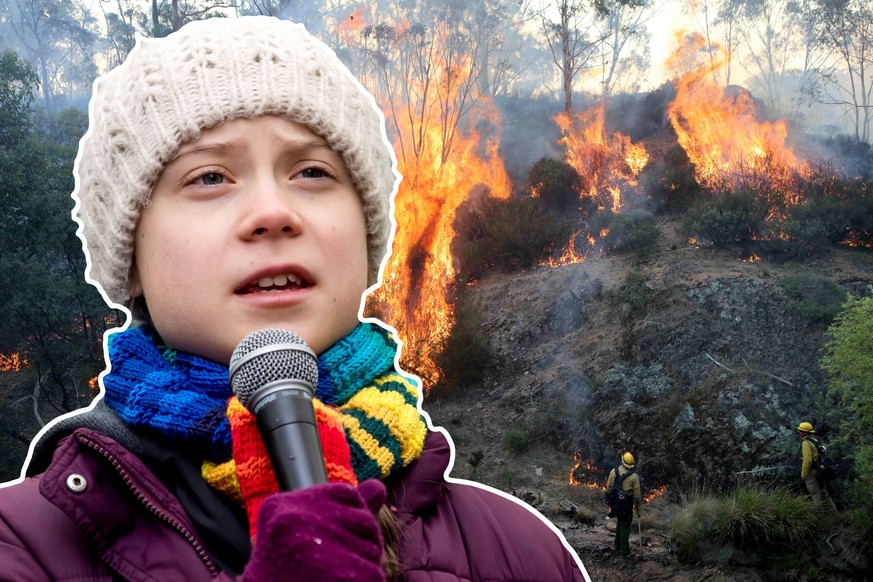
(810, 471)
(622, 507)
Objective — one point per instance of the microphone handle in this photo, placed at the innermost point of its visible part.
(286, 420)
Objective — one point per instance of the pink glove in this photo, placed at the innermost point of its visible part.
(322, 533)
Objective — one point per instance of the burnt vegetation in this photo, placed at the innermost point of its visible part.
(687, 357)
(828, 204)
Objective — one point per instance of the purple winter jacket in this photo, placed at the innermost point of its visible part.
(131, 528)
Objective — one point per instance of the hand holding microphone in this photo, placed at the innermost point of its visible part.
(273, 373)
(313, 531)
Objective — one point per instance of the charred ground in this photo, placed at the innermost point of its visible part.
(697, 362)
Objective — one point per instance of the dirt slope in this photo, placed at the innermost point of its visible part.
(717, 353)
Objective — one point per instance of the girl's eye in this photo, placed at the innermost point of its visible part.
(210, 179)
(312, 173)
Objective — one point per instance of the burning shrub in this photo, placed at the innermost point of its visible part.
(672, 182)
(818, 223)
(556, 183)
(504, 234)
(859, 218)
(728, 218)
(836, 210)
(635, 231)
(813, 298)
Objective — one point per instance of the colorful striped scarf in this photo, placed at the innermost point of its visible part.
(367, 413)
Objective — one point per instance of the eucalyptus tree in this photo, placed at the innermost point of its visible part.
(843, 75)
(622, 52)
(59, 37)
(568, 27)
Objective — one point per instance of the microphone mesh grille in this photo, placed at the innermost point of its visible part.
(289, 357)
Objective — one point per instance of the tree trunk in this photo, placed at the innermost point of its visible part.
(155, 19)
(177, 18)
(568, 60)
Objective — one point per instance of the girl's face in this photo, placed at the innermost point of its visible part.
(253, 225)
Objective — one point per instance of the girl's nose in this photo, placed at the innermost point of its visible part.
(268, 211)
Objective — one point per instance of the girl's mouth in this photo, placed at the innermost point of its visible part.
(273, 284)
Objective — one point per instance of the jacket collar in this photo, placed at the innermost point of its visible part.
(423, 483)
(99, 418)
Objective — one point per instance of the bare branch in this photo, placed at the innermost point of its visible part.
(717, 363)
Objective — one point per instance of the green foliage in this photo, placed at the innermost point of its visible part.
(633, 293)
(556, 183)
(18, 81)
(760, 521)
(749, 517)
(507, 235)
(835, 210)
(47, 311)
(814, 298)
(62, 128)
(728, 218)
(635, 231)
(165, 20)
(466, 354)
(861, 511)
(849, 365)
(507, 478)
(691, 526)
(517, 438)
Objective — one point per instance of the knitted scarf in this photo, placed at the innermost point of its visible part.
(367, 417)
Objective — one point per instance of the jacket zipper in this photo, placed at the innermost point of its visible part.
(154, 509)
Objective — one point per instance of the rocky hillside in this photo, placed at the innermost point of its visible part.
(699, 363)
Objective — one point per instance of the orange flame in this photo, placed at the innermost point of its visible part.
(654, 493)
(858, 240)
(754, 258)
(570, 255)
(587, 474)
(351, 26)
(719, 132)
(443, 167)
(607, 164)
(12, 363)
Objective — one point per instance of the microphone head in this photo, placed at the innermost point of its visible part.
(268, 355)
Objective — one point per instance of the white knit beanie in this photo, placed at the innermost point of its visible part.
(169, 90)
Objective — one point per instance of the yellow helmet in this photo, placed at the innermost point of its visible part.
(628, 459)
(805, 427)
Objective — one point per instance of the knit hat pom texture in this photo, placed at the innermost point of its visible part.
(169, 90)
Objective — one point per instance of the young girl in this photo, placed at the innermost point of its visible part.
(236, 177)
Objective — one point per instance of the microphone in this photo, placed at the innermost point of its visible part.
(273, 373)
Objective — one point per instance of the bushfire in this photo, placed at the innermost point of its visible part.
(14, 362)
(720, 133)
(442, 161)
(608, 164)
(446, 156)
(586, 474)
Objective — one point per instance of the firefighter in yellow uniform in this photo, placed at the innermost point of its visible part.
(631, 486)
(809, 472)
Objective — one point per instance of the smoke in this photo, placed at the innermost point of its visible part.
(529, 133)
